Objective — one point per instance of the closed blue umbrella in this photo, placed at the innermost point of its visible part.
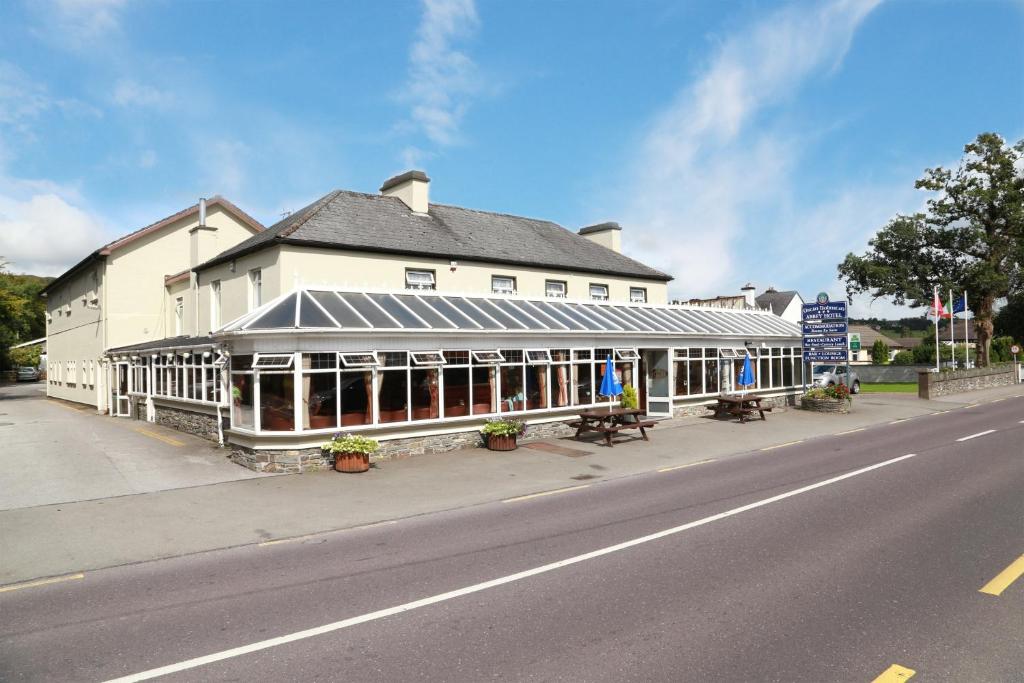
(746, 378)
(610, 385)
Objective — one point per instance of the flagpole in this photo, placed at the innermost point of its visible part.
(935, 310)
(967, 347)
(952, 339)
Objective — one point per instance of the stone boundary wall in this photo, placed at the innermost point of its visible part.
(888, 373)
(294, 461)
(933, 384)
(189, 421)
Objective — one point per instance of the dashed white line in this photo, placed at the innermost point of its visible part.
(493, 583)
(975, 436)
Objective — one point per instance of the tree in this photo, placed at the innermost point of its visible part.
(22, 310)
(1010, 321)
(879, 352)
(970, 237)
(903, 358)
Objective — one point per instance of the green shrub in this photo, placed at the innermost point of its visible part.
(879, 352)
(903, 358)
(504, 426)
(351, 443)
(629, 397)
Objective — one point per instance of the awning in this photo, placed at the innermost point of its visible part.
(320, 310)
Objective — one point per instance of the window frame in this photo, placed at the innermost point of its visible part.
(215, 304)
(545, 360)
(345, 364)
(607, 291)
(421, 286)
(255, 288)
(643, 292)
(565, 289)
(416, 362)
(505, 291)
(288, 358)
(477, 360)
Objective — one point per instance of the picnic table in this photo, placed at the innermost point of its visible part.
(612, 421)
(733, 405)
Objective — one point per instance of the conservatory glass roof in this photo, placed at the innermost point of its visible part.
(429, 311)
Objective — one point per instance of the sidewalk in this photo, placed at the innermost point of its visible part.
(59, 539)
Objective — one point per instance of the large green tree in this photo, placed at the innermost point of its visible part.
(971, 236)
(22, 310)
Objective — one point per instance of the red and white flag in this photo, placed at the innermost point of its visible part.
(938, 310)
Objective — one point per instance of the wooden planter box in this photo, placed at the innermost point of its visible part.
(501, 443)
(825, 405)
(351, 462)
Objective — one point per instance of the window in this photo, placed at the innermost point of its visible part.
(255, 288)
(503, 284)
(626, 354)
(598, 292)
(556, 289)
(179, 316)
(359, 360)
(273, 361)
(638, 295)
(214, 305)
(487, 357)
(427, 358)
(319, 407)
(420, 279)
(538, 356)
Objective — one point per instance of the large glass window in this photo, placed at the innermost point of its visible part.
(513, 393)
(277, 401)
(393, 387)
(561, 377)
(319, 407)
(456, 391)
(242, 407)
(426, 399)
(582, 378)
(356, 398)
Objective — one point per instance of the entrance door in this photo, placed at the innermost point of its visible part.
(657, 396)
(119, 405)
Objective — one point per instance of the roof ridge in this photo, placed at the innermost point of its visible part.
(502, 213)
(314, 209)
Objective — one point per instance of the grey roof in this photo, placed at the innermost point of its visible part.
(777, 301)
(376, 223)
(430, 312)
(170, 343)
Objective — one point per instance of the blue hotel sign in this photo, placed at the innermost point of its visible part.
(837, 341)
(835, 310)
(825, 328)
(835, 356)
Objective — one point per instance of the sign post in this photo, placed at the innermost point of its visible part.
(826, 333)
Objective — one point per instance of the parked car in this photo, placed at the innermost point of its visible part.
(824, 375)
(28, 374)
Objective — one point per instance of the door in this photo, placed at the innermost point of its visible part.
(119, 404)
(657, 396)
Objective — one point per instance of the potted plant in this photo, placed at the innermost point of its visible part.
(351, 451)
(500, 433)
(834, 398)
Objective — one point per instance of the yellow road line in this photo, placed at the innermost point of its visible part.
(1004, 578)
(306, 537)
(545, 493)
(161, 437)
(783, 445)
(689, 464)
(851, 431)
(41, 582)
(895, 674)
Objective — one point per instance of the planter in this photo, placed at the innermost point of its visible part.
(351, 462)
(501, 443)
(825, 405)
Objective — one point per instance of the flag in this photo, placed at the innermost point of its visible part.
(961, 305)
(937, 309)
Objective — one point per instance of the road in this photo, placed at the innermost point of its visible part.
(831, 559)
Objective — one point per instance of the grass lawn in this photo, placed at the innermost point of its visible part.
(889, 387)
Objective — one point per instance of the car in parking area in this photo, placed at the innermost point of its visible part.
(825, 375)
(28, 374)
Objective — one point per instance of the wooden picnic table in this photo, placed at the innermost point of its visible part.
(612, 421)
(742, 407)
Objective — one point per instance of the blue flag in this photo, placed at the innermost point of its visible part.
(961, 305)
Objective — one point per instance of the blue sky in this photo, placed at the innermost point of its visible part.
(734, 141)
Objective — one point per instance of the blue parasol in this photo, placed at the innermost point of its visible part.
(610, 385)
(746, 378)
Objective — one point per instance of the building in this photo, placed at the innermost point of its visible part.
(414, 322)
(868, 337)
(135, 289)
(787, 305)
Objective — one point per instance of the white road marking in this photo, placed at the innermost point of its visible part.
(975, 436)
(493, 583)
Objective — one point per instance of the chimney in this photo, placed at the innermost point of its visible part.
(748, 294)
(202, 212)
(202, 239)
(412, 187)
(608, 235)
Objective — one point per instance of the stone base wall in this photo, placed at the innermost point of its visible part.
(199, 424)
(933, 384)
(778, 404)
(825, 405)
(313, 459)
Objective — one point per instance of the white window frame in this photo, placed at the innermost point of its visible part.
(642, 299)
(429, 282)
(561, 295)
(179, 316)
(215, 302)
(511, 289)
(283, 361)
(435, 362)
(546, 359)
(626, 354)
(255, 288)
(480, 361)
(601, 297)
(359, 364)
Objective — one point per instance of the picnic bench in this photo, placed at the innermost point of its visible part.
(612, 421)
(731, 405)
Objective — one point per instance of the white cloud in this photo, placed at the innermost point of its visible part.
(703, 170)
(129, 93)
(79, 23)
(441, 78)
(43, 233)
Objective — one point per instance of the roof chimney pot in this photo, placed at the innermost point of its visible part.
(412, 187)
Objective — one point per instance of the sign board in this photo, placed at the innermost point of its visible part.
(832, 355)
(830, 311)
(1015, 349)
(837, 341)
(855, 341)
(825, 328)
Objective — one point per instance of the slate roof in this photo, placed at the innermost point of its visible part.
(777, 301)
(377, 223)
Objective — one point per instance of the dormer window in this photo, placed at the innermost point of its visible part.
(420, 279)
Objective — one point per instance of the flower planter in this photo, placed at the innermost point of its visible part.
(825, 405)
(501, 443)
(351, 462)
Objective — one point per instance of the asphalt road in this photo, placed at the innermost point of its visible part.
(830, 559)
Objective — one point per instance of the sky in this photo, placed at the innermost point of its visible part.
(734, 142)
